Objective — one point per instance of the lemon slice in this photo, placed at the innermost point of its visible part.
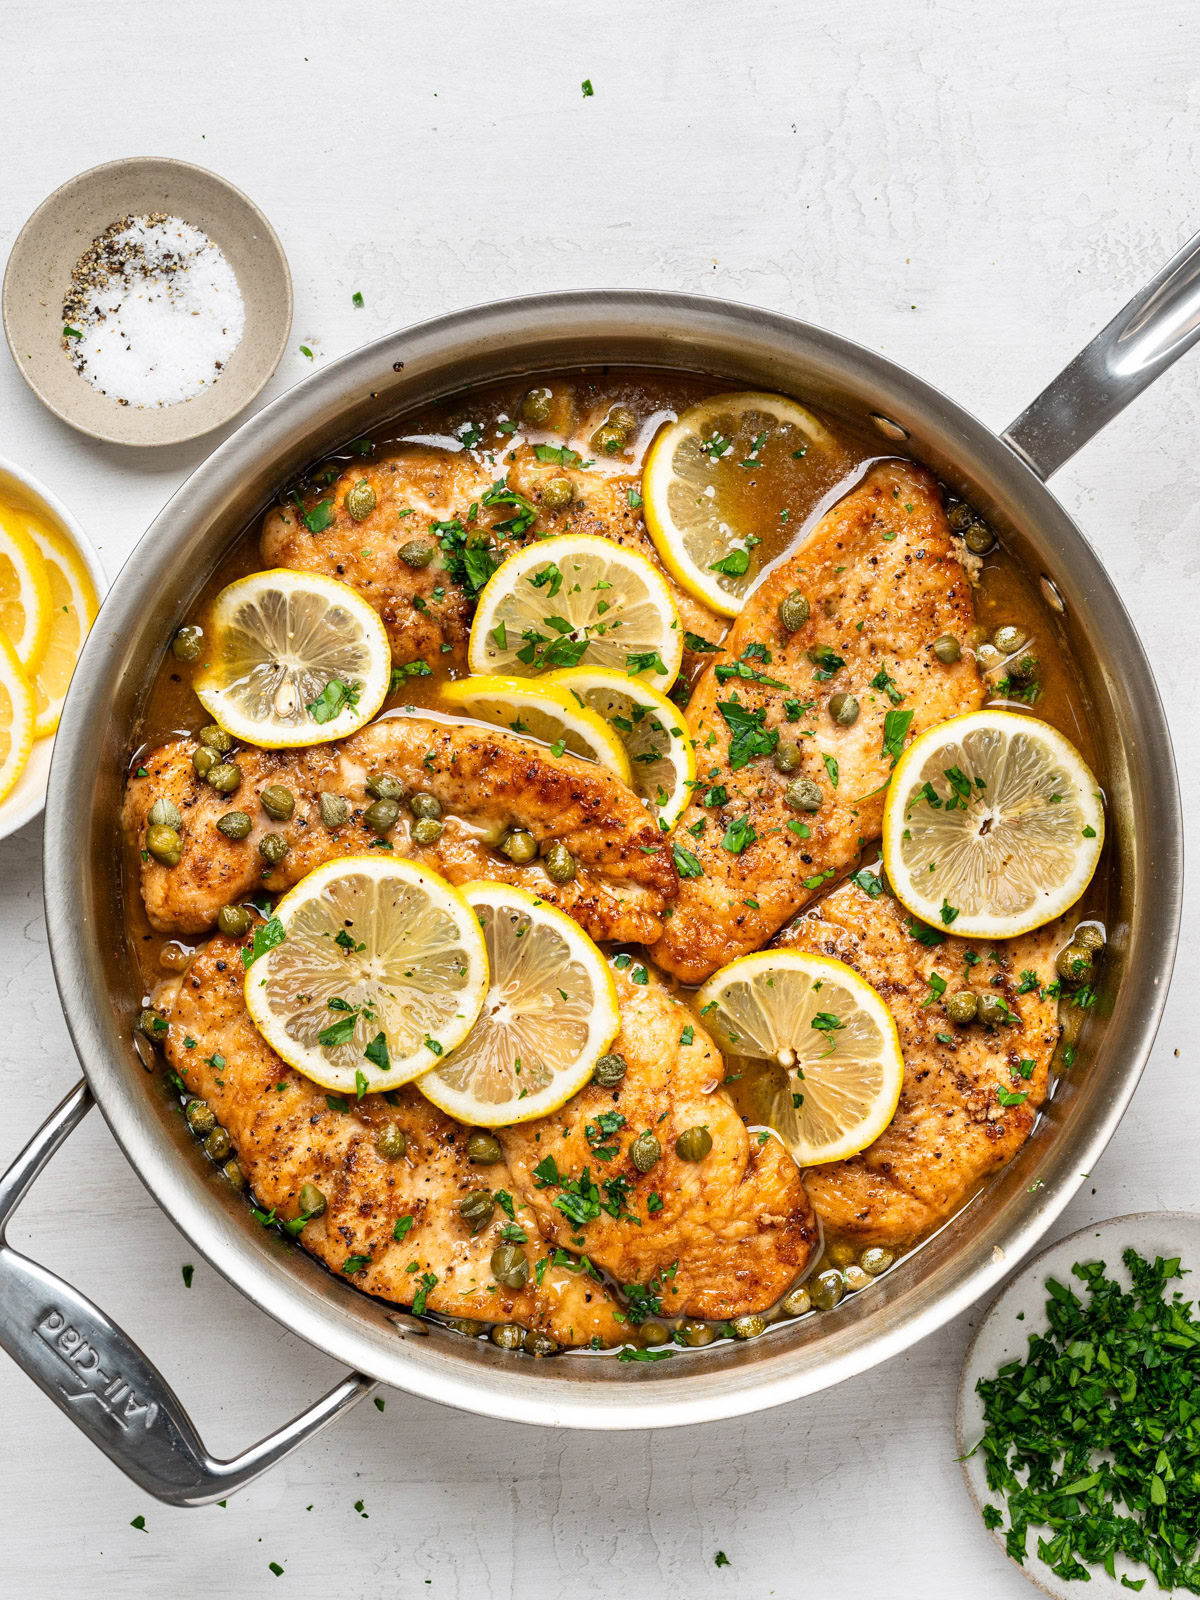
(550, 1014)
(24, 590)
(73, 608)
(993, 824)
(379, 971)
(577, 599)
(828, 1033)
(695, 488)
(18, 715)
(295, 658)
(538, 710)
(661, 752)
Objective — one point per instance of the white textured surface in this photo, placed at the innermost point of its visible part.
(973, 190)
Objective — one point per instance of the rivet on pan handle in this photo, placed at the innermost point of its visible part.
(94, 1372)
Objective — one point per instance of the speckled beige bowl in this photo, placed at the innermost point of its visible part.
(60, 230)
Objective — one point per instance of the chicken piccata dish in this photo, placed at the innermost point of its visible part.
(613, 863)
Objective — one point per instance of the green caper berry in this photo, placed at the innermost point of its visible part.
(471, 1326)
(312, 1200)
(1090, 936)
(201, 1118)
(622, 417)
(693, 1144)
(645, 1151)
(696, 1334)
(520, 847)
(1009, 639)
(796, 1303)
(216, 739)
(164, 814)
(416, 553)
(427, 831)
(510, 1266)
(151, 1025)
(187, 642)
(947, 649)
(748, 1327)
(559, 863)
(855, 1278)
(507, 1336)
(217, 1145)
(477, 1208)
(426, 806)
(334, 809)
(987, 657)
(962, 1007)
(1073, 963)
(224, 777)
(203, 760)
(381, 816)
(535, 406)
(993, 1011)
(273, 848)
(794, 611)
(165, 845)
(960, 516)
(876, 1260)
(279, 803)
(786, 757)
(234, 921)
(233, 1175)
(361, 500)
(484, 1149)
(841, 1253)
(802, 795)
(557, 493)
(538, 1344)
(383, 786)
(1025, 670)
(609, 1070)
(234, 825)
(979, 538)
(826, 1290)
(607, 441)
(652, 1334)
(843, 708)
(390, 1141)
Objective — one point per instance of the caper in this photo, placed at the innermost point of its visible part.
(876, 1260)
(427, 831)
(510, 1266)
(381, 816)
(203, 760)
(360, 500)
(609, 1070)
(557, 493)
(273, 848)
(164, 814)
(425, 806)
(962, 1006)
(993, 1010)
(622, 417)
(856, 1278)
(416, 553)
(153, 1026)
(507, 1336)
(279, 803)
(696, 1334)
(477, 1208)
(535, 406)
(786, 757)
(520, 847)
(233, 1174)
(1025, 670)
(201, 1118)
(988, 657)
(796, 1303)
(843, 708)
(693, 1144)
(645, 1151)
(960, 516)
(234, 825)
(652, 1333)
(559, 863)
(794, 611)
(218, 1144)
(826, 1290)
(234, 921)
(384, 786)
(390, 1141)
(607, 440)
(334, 809)
(841, 1254)
(471, 1326)
(802, 795)
(979, 538)
(947, 649)
(1090, 935)
(1009, 639)
(165, 845)
(538, 1344)
(748, 1327)
(484, 1149)
(187, 642)
(312, 1200)
(216, 739)
(1073, 963)
(224, 777)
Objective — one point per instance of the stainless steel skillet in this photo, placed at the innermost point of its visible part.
(92, 1370)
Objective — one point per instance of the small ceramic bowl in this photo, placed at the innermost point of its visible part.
(61, 229)
(28, 796)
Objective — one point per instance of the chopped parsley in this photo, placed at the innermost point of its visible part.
(265, 938)
(749, 735)
(333, 699)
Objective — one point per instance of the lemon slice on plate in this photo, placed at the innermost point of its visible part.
(73, 608)
(661, 753)
(377, 971)
(25, 600)
(573, 600)
(18, 716)
(828, 1033)
(536, 709)
(295, 658)
(993, 825)
(697, 488)
(549, 1015)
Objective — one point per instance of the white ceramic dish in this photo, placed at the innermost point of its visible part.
(1000, 1337)
(24, 802)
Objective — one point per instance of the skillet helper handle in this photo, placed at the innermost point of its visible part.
(98, 1377)
(1159, 324)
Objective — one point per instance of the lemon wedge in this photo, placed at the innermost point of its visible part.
(377, 971)
(18, 715)
(549, 1015)
(574, 599)
(295, 658)
(661, 752)
(537, 709)
(695, 485)
(831, 1035)
(25, 600)
(73, 609)
(993, 825)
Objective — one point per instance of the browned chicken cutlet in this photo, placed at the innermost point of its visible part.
(883, 582)
(486, 781)
(286, 1135)
(951, 1130)
(712, 1238)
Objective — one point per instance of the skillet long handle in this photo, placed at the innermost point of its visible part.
(96, 1374)
(1159, 324)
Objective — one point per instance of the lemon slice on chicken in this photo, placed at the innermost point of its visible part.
(537, 709)
(574, 600)
(293, 658)
(549, 1015)
(371, 972)
(18, 715)
(696, 488)
(25, 599)
(993, 825)
(73, 609)
(829, 1035)
(661, 752)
